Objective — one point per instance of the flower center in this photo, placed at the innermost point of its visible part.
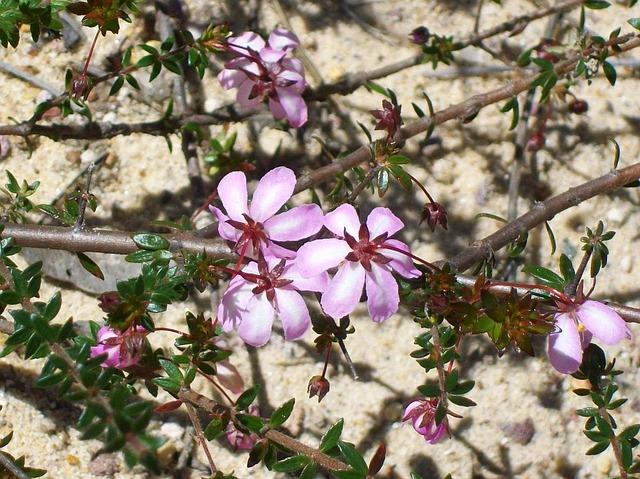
(268, 280)
(253, 234)
(365, 250)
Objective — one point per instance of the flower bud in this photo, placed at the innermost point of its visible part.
(578, 107)
(79, 86)
(536, 142)
(318, 386)
(109, 301)
(434, 214)
(419, 35)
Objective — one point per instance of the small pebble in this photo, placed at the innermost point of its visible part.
(104, 465)
(521, 432)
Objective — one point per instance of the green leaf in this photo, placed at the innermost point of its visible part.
(117, 85)
(451, 380)
(171, 369)
(461, 400)
(429, 390)
(512, 105)
(349, 474)
(253, 423)
(596, 4)
(587, 411)
(352, 456)
(398, 160)
(609, 72)
(566, 268)
(463, 388)
(598, 448)
(291, 464)
(53, 306)
(330, 438)
(629, 432)
(552, 237)
(544, 275)
(634, 22)
(247, 397)
(150, 241)
(281, 414)
(215, 428)
(90, 265)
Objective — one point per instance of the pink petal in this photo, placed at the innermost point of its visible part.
(244, 95)
(293, 313)
(297, 223)
(565, 347)
(273, 250)
(106, 332)
(343, 217)
(282, 39)
(232, 191)
(235, 301)
(276, 109)
(245, 42)
(343, 292)
(317, 283)
(255, 328)
(400, 263)
(231, 78)
(382, 220)
(382, 293)
(438, 433)
(225, 230)
(289, 76)
(294, 106)
(605, 324)
(270, 55)
(318, 256)
(410, 407)
(293, 64)
(244, 65)
(229, 377)
(272, 192)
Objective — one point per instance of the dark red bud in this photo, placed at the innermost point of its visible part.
(578, 107)
(109, 301)
(419, 35)
(536, 142)
(434, 214)
(79, 85)
(318, 386)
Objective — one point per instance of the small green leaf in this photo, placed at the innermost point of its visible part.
(596, 4)
(544, 275)
(461, 400)
(247, 397)
(214, 428)
(281, 414)
(291, 464)
(353, 457)
(634, 22)
(609, 72)
(172, 370)
(330, 438)
(90, 265)
(598, 448)
(150, 241)
(253, 423)
(552, 237)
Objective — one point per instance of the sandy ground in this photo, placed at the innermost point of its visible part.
(524, 425)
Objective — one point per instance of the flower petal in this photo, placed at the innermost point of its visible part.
(382, 220)
(271, 55)
(232, 191)
(293, 313)
(565, 348)
(282, 39)
(273, 250)
(245, 90)
(343, 217)
(293, 105)
(343, 292)
(245, 42)
(255, 328)
(382, 293)
(293, 64)
(234, 304)
(320, 255)
(276, 109)
(231, 78)
(297, 223)
(229, 377)
(272, 192)
(317, 283)
(605, 324)
(225, 230)
(400, 263)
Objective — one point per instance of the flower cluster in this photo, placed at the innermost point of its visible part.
(270, 285)
(123, 349)
(264, 71)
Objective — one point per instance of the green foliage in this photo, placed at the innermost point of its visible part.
(18, 463)
(40, 15)
(14, 201)
(439, 49)
(104, 14)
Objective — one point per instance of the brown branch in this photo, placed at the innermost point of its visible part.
(327, 462)
(349, 83)
(103, 241)
(466, 109)
(11, 467)
(542, 212)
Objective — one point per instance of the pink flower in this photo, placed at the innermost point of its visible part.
(366, 262)
(240, 440)
(422, 413)
(264, 291)
(226, 373)
(260, 71)
(123, 348)
(254, 227)
(577, 327)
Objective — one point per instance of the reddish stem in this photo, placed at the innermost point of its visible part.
(88, 60)
(410, 255)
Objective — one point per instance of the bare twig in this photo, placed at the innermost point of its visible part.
(25, 76)
(7, 464)
(193, 416)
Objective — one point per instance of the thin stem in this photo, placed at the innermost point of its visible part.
(343, 348)
(327, 356)
(7, 464)
(84, 199)
(363, 184)
(431, 266)
(327, 462)
(93, 45)
(442, 376)
(171, 330)
(193, 416)
(217, 386)
(570, 289)
(421, 186)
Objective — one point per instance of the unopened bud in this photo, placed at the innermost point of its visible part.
(318, 386)
(109, 301)
(79, 86)
(434, 214)
(578, 107)
(419, 35)
(536, 142)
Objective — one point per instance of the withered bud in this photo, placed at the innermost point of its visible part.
(434, 214)
(578, 107)
(419, 35)
(79, 86)
(536, 142)
(109, 301)
(318, 386)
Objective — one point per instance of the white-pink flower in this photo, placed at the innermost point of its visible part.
(265, 71)
(123, 348)
(577, 327)
(264, 291)
(422, 414)
(255, 226)
(365, 257)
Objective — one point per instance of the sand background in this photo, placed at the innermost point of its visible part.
(524, 425)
